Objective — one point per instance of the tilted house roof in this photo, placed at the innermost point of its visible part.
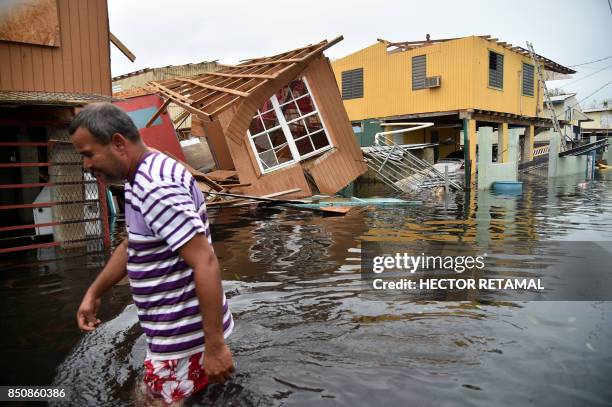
(211, 93)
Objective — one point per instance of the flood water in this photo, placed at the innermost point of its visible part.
(305, 336)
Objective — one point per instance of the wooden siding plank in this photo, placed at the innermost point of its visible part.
(94, 28)
(66, 61)
(104, 48)
(27, 67)
(48, 69)
(37, 68)
(85, 33)
(16, 67)
(75, 44)
(6, 79)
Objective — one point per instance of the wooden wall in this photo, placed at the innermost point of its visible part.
(331, 170)
(81, 64)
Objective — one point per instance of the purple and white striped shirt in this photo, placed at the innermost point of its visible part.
(164, 209)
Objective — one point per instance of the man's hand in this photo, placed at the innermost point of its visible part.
(218, 363)
(114, 271)
(86, 315)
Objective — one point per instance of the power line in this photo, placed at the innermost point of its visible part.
(588, 76)
(583, 99)
(592, 62)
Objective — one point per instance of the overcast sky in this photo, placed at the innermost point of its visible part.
(162, 32)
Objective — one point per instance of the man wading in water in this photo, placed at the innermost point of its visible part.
(168, 257)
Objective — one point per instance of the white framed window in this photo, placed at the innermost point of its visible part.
(287, 128)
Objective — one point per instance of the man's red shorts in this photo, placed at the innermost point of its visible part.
(175, 379)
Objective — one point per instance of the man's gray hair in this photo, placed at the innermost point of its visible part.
(103, 120)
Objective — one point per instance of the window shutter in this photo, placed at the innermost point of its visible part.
(496, 70)
(419, 65)
(352, 84)
(528, 79)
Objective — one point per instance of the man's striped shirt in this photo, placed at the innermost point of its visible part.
(164, 209)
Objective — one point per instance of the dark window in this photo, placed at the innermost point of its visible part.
(352, 84)
(527, 79)
(496, 70)
(419, 65)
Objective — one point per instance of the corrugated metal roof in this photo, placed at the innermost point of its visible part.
(561, 98)
(548, 64)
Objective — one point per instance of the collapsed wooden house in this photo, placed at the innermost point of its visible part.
(278, 121)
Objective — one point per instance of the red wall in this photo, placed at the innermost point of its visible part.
(161, 134)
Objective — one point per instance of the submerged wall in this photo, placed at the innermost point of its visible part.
(489, 172)
(562, 166)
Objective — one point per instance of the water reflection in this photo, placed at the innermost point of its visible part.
(305, 336)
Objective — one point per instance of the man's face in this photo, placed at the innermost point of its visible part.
(108, 163)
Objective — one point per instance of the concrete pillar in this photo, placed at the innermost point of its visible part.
(472, 141)
(529, 143)
(502, 143)
(553, 154)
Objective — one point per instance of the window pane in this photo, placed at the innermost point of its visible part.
(319, 140)
(267, 106)
(290, 111)
(313, 123)
(298, 129)
(283, 95)
(270, 120)
(277, 137)
(268, 159)
(298, 88)
(262, 143)
(305, 104)
(283, 154)
(256, 126)
(304, 145)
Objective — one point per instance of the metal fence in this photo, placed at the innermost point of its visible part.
(79, 201)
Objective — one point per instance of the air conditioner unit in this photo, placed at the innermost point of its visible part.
(433, 81)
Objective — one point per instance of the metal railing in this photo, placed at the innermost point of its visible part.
(398, 168)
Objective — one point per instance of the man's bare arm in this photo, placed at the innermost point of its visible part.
(111, 274)
(198, 253)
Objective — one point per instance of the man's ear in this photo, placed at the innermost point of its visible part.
(119, 142)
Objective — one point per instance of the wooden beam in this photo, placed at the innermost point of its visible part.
(117, 43)
(181, 117)
(215, 88)
(176, 96)
(278, 61)
(241, 75)
(158, 113)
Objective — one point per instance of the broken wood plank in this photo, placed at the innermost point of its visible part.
(121, 46)
(197, 174)
(282, 193)
(172, 93)
(215, 88)
(221, 175)
(294, 204)
(230, 202)
(278, 61)
(241, 75)
(230, 186)
(158, 113)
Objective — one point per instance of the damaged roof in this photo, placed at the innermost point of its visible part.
(548, 64)
(211, 93)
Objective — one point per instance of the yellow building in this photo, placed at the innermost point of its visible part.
(458, 84)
